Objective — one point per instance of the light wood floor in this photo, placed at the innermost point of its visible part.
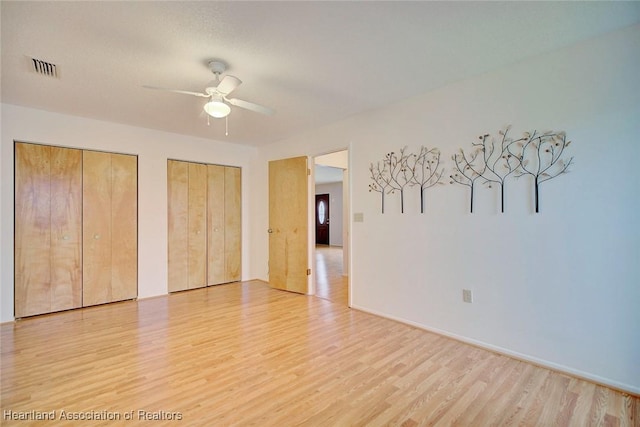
(330, 282)
(244, 354)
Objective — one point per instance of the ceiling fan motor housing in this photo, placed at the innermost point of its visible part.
(217, 67)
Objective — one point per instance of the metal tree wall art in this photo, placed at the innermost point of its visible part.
(392, 176)
(541, 157)
(399, 170)
(502, 157)
(468, 169)
(399, 173)
(380, 178)
(426, 170)
(493, 160)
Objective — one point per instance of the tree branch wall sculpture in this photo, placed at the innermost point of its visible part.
(399, 173)
(399, 170)
(426, 170)
(380, 178)
(491, 161)
(501, 158)
(468, 169)
(541, 157)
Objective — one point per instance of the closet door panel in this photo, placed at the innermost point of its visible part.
(215, 226)
(178, 222)
(32, 229)
(65, 223)
(197, 230)
(66, 228)
(124, 220)
(97, 227)
(232, 224)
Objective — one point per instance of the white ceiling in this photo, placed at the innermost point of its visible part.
(329, 167)
(327, 174)
(314, 62)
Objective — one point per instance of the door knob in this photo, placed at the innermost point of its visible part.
(96, 236)
(270, 231)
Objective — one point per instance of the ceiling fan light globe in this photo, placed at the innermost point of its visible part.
(217, 109)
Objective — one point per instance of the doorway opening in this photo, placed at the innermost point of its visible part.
(332, 226)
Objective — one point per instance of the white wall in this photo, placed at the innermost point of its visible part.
(560, 287)
(335, 210)
(153, 149)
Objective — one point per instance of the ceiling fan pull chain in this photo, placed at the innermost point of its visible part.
(226, 126)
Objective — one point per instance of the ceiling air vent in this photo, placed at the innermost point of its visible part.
(44, 68)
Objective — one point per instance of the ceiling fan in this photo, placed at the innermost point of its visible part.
(218, 92)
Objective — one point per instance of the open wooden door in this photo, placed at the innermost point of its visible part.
(288, 225)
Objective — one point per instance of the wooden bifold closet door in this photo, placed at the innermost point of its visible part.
(232, 224)
(224, 213)
(48, 229)
(204, 224)
(75, 228)
(110, 228)
(187, 207)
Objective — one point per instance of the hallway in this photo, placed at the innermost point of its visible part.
(330, 283)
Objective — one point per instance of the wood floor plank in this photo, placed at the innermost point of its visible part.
(245, 354)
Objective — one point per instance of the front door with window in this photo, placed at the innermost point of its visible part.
(322, 219)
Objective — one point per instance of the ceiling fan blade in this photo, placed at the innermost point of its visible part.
(228, 84)
(251, 106)
(186, 92)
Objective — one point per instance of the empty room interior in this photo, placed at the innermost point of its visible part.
(320, 213)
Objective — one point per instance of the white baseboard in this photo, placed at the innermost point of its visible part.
(626, 388)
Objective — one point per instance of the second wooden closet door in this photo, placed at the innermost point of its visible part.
(187, 194)
(224, 215)
(232, 224)
(109, 227)
(204, 224)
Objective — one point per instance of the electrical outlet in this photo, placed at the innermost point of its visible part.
(467, 296)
